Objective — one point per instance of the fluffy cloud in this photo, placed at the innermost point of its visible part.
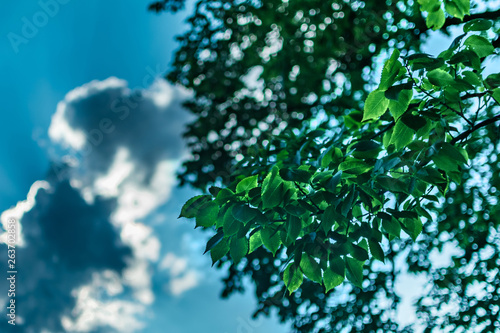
(83, 244)
(118, 133)
(66, 241)
(182, 277)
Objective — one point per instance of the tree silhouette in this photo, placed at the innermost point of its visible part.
(315, 163)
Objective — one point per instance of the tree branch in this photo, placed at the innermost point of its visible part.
(475, 128)
(425, 92)
(481, 94)
(496, 43)
(388, 127)
(307, 196)
(493, 15)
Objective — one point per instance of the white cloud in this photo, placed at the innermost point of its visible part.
(66, 241)
(19, 210)
(182, 277)
(184, 283)
(91, 313)
(174, 264)
(84, 225)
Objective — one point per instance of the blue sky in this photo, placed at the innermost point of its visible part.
(84, 41)
(100, 247)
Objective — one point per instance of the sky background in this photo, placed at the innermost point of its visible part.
(100, 246)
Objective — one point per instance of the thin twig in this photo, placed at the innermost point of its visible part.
(306, 195)
(430, 95)
(388, 127)
(475, 128)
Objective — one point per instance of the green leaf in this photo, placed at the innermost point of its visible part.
(392, 184)
(448, 157)
(337, 265)
(377, 199)
(230, 225)
(493, 80)
(399, 107)
(403, 213)
(311, 268)
(413, 122)
(435, 20)
(272, 189)
(293, 227)
(376, 250)
(424, 61)
(390, 71)
(238, 248)
(413, 227)
(423, 213)
(353, 119)
(391, 226)
(480, 45)
(327, 157)
(331, 185)
(292, 277)
(328, 218)
(391, 163)
(431, 198)
(355, 167)
(366, 145)
(429, 5)
(467, 57)
(384, 216)
(300, 176)
(295, 210)
(214, 241)
(472, 78)
(331, 279)
(496, 94)
(478, 25)
(354, 271)
(246, 184)
(348, 201)
(321, 178)
(214, 190)
(359, 253)
(440, 78)
(394, 91)
(457, 8)
(454, 45)
(223, 196)
(193, 205)
(433, 177)
(366, 149)
(316, 133)
(243, 213)
(207, 215)
(255, 241)
(270, 239)
(219, 250)
(402, 135)
(255, 196)
(375, 105)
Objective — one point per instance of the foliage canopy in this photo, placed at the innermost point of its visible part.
(319, 169)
